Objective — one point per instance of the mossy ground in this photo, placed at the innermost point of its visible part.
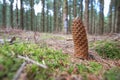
(57, 62)
(107, 49)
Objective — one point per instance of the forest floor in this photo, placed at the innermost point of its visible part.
(65, 44)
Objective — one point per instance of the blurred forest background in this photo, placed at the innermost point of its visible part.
(57, 15)
(36, 34)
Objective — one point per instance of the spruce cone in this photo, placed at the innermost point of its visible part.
(80, 39)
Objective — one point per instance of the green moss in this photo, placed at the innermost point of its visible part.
(92, 67)
(56, 61)
(53, 59)
(112, 74)
(107, 49)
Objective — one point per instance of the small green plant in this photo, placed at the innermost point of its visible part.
(71, 68)
(82, 68)
(112, 74)
(107, 49)
(9, 65)
(92, 67)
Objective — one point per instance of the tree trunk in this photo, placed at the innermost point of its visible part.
(32, 16)
(56, 15)
(21, 15)
(26, 24)
(101, 17)
(91, 21)
(70, 16)
(61, 17)
(43, 16)
(11, 10)
(110, 17)
(115, 18)
(94, 22)
(47, 20)
(81, 9)
(86, 16)
(17, 14)
(51, 25)
(4, 13)
(57, 18)
(74, 8)
(118, 17)
(65, 17)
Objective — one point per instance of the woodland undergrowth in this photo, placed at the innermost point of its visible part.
(57, 62)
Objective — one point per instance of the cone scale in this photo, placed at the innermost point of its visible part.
(79, 39)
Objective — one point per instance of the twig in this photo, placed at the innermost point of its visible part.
(69, 39)
(32, 61)
(19, 71)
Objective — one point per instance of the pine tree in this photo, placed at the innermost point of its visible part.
(4, 13)
(21, 15)
(118, 17)
(65, 17)
(86, 16)
(17, 14)
(75, 8)
(81, 9)
(11, 11)
(115, 16)
(43, 16)
(32, 14)
(91, 17)
(110, 17)
(101, 17)
(70, 15)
